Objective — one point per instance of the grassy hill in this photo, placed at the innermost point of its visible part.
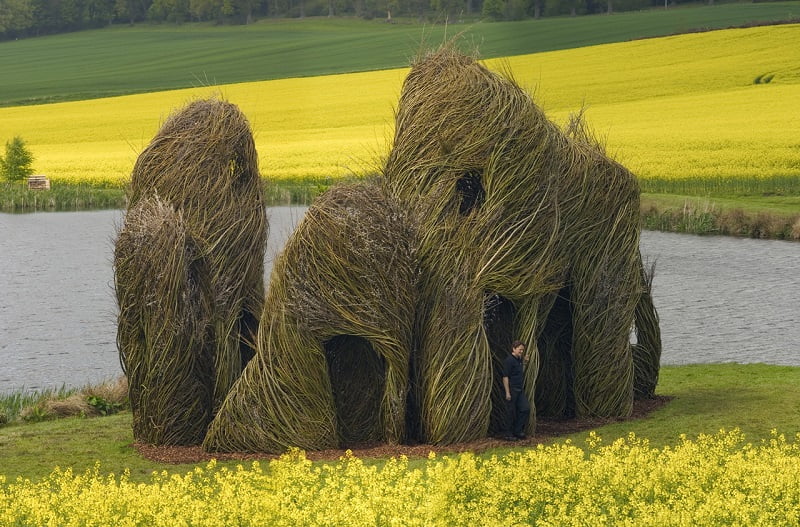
(146, 58)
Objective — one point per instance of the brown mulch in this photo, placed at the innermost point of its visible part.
(546, 431)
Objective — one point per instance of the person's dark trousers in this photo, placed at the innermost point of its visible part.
(519, 411)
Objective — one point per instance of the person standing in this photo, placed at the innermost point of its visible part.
(518, 407)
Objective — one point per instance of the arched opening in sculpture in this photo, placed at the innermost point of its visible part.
(555, 384)
(358, 381)
(498, 323)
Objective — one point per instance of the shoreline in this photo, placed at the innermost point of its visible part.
(659, 212)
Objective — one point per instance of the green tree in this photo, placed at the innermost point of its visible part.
(448, 7)
(176, 11)
(494, 9)
(131, 10)
(15, 16)
(16, 165)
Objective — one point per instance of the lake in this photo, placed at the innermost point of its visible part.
(720, 299)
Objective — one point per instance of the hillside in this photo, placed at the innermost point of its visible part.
(675, 107)
(146, 58)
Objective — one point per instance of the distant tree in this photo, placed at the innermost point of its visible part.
(206, 9)
(169, 10)
(15, 16)
(537, 8)
(494, 9)
(131, 10)
(99, 13)
(448, 7)
(16, 165)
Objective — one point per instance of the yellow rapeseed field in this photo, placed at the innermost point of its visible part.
(672, 107)
(713, 480)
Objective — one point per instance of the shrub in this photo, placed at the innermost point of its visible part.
(494, 9)
(16, 165)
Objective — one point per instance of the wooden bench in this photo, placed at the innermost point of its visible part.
(38, 182)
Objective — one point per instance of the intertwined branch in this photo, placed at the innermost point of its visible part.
(189, 270)
(395, 301)
(336, 332)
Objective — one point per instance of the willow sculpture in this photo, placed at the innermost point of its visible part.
(189, 265)
(394, 302)
(336, 332)
(530, 232)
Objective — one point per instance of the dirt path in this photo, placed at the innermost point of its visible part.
(545, 431)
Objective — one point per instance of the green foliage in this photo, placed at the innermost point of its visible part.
(103, 406)
(17, 198)
(744, 218)
(494, 9)
(36, 413)
(15, 16)
(13, 405)
(18, 161)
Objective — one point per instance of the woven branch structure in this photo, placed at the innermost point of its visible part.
(336, 332)
(189, 270)
(395, 301)
(530, 232)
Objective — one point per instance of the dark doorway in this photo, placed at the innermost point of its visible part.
(358, 380)
(555, 391)
(499, 316)
(248, 330)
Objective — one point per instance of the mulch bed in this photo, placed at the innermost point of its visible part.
(546, 431)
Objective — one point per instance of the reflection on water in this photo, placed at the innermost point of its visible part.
(719, 299)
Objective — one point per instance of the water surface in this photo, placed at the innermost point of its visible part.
(720, 299)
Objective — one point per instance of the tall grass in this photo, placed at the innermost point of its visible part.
(788, 185)
(704, 216)
(48, 403)
(67, 197)
(14, 403)
(17, 198)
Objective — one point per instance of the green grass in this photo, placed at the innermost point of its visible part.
(15, 197)
(11, 404)
(777, 205)
(770, 217)
(144, 58)
(755, 398)
(752, 187)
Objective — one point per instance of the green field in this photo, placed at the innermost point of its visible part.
(755, 398)
(145, 58)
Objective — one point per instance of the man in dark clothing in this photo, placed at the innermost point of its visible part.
(519, 408)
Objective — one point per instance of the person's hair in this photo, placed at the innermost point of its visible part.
(517, 343)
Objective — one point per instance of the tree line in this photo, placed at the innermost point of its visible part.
(27, 18)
